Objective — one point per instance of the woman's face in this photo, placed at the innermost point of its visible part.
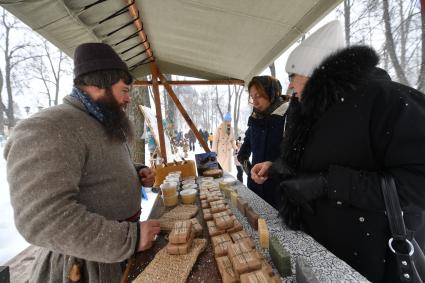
(260, 101)
(297, 83)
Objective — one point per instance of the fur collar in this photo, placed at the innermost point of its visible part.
(339, 74)
(280, 111)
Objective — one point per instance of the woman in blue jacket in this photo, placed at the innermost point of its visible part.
(264, 133)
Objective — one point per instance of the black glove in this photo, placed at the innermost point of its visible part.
(302, 189)
(246, 165)
(290, 213)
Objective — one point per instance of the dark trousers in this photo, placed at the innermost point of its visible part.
(239, 176)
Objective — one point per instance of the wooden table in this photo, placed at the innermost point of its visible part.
(325, 265)
(205, 268)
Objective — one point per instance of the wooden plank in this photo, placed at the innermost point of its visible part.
(157, 100)
(133, 10)
(183, 112)
(194, 82)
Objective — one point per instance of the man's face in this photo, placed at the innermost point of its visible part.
(112, 102)
(121, 93)
(297, 83)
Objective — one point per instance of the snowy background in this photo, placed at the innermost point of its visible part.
(11, 242)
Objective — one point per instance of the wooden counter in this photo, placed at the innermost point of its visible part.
(326, 266)
(205, 268)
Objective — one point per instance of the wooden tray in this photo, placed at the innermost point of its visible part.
(205, 269)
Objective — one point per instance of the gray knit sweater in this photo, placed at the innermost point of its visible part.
(69, 188)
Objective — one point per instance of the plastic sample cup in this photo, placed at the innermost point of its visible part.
(170, 200)
(188, 196)
(168, 189)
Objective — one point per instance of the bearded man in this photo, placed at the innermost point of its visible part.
(73, 186)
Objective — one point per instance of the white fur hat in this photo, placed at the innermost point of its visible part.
(313, 50)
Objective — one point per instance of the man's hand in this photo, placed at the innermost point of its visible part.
(259, 173)
(148, 231)
(147, 177)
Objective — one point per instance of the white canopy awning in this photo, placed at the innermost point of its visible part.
(214, 39)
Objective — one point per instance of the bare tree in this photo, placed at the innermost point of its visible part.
(272, 68)
(421, 78)
(170, 108)
(347, 20)
(398, 63)
(217, 104)
(237, 108)
(140, 96)
(14, 55)
(49, 69)
(366, 20)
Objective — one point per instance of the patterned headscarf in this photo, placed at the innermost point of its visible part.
(273, 90)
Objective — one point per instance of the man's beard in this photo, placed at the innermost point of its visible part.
(115, 121)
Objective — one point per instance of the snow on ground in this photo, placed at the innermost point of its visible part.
(12, 243)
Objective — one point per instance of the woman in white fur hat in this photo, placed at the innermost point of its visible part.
(351, 124)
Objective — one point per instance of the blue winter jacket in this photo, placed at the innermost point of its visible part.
(262, 140)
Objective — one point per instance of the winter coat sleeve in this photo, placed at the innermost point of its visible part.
(232, 140)
(398, 140)
(215, 140)
(245, 150)
(44, 188)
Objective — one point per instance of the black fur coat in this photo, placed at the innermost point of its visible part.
(353, 122)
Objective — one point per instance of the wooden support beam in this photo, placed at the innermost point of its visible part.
(183, 111)
(157, 99)
(193, 82)
(133, 10)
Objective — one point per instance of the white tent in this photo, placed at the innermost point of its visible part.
(207, 39)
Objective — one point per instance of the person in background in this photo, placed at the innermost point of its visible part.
(73, 186)
(205, 136)
(264, 133)
(192, 139)
(185, 145)
(201, 133)
(210, 139)
(224, 143)
(239, 175)
(351, 124)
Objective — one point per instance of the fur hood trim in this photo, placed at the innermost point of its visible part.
(338, 74)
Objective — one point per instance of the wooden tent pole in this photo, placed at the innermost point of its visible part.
(183, 111)
(133, 10)
(157, 99)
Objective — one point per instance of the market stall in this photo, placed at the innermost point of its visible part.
(312, 258)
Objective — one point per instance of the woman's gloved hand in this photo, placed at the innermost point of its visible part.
(290, 213)
(304, 188)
